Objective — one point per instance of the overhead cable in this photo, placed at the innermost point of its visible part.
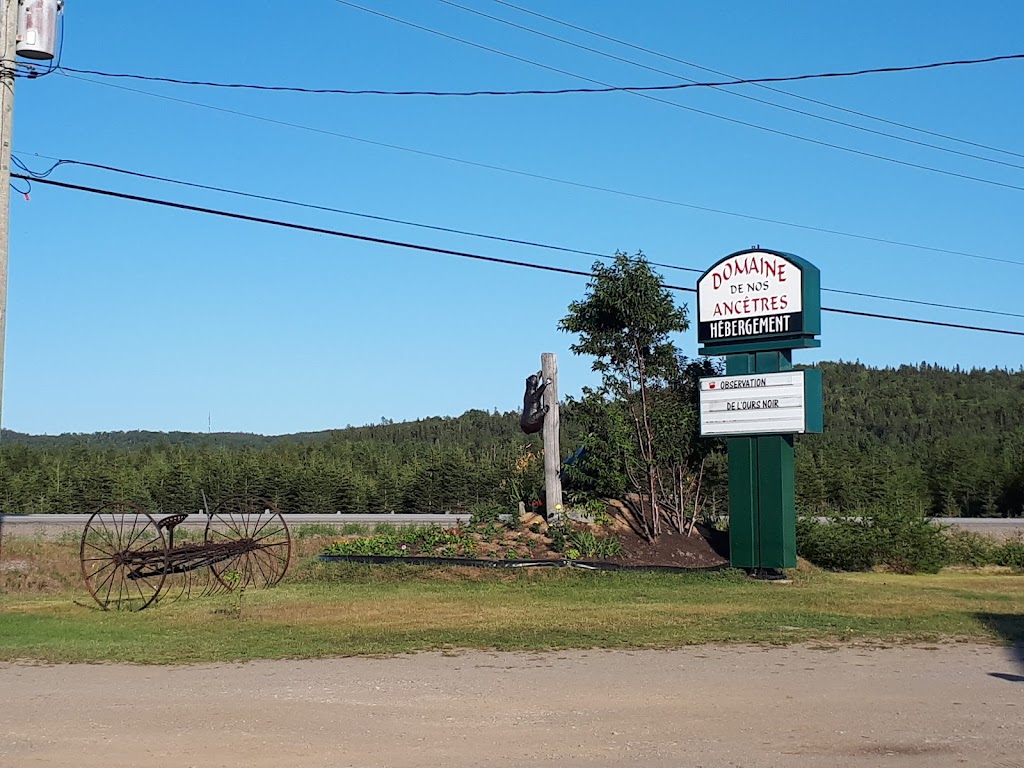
(312, 206)
(450, 252)
(677, 105)
(760, 83)
(737, 94)
(552, 179)
(58, 162)
(532, 91)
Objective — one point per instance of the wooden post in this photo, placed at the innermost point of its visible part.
(552, 454)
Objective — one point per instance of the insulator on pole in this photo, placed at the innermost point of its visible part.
(37, 28)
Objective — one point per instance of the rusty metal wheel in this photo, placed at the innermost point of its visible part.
(260, 545)
(124, 557)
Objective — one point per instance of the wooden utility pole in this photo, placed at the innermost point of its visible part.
(8, 47)
(552, 453)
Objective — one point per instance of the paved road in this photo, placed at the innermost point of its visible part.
(990, 526)
(55, 525)
(797, 707)
(33, 524)
(987, 525)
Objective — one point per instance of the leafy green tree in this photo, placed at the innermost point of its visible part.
(680, 452)
(625, 322)
(598, 465)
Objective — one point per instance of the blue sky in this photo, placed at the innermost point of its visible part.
(128, 316)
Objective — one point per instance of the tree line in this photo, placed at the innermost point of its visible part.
(946, 441)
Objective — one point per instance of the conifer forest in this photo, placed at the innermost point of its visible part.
(948, 442)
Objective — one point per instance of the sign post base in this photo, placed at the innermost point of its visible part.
(762, 509)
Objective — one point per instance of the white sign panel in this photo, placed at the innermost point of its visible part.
(753, 404)
(754, 293)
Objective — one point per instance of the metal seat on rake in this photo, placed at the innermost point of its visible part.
(171, 521)
(168, 524)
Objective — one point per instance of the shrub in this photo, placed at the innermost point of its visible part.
(1010, 552)
(841, 544)
(970, 548)
(486, 514)
(589, 545)
(430, 540)
(905, 541)
(373, 545)
(559, 535)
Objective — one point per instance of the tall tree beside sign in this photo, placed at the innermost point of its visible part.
(625, 322)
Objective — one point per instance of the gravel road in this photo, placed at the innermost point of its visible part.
(744, 707)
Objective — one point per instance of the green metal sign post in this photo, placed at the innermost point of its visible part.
(755, 307)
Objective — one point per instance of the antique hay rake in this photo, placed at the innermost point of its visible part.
(130, 560)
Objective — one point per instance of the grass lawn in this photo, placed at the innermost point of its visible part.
(342, 609)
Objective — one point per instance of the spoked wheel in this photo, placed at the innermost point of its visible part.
(255, 542)
(124, 557)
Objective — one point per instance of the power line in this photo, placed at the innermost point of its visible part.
(58, 162)
(312, 206)
(921, 303)
(531, 91)
(756, 82)
(450, 252)
(553, 179)
(677, 76)
(707, 113)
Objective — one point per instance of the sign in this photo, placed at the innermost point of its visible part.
(758, 295)
(755, 307)
(754, 404)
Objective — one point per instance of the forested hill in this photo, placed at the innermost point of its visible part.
(949, 441)
(910, 404)
(473, 428)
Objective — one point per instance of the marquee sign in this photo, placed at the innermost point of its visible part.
(761, 404)
(755, 307)
(759, 295)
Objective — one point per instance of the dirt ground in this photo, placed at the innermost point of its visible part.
(676, 549)
(744, 707)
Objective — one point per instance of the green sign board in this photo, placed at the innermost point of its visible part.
(758, 299)
(755, 307)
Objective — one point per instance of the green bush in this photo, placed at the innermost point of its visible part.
(486, 514)
(970, 548)
(589, 545)
(1010, 552)
(559, 535)
(904, 541)
(840, 544)
(371, 545)
(909, 542)
(431, 541)
(975, 549)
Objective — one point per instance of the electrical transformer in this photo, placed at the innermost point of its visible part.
(37, 28)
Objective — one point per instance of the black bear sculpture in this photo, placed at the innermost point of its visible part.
(534, 408)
